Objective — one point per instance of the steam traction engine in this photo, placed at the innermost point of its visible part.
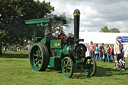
(60, 52)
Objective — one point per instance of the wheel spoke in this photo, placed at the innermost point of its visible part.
(67, 71)
(35, 55)
(64, 70)
(68, 62)
(36, 59)
(37, 63)
(40, 56)
(65, 63)
(39, 51)
(69, 68)
(36, 52)
(40, 61)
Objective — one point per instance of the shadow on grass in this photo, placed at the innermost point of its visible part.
(14, 55)
(54, 69)
(100, 72)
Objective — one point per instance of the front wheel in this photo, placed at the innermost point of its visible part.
(67, 67)
(90, 66)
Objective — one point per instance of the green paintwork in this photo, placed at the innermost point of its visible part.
(36, 57)
(54, 44)
(38, 38)
(36, 21)
(52, 62)
(46, 20)
(43, 41)
(65, 50)
(58, 52)
(55, 62)
(78, 62)
(67, 67)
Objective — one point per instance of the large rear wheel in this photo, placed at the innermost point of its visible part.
(39, 57)
(67, 67)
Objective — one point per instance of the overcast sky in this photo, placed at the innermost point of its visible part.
(95, 14)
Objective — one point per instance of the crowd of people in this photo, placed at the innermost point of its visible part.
(102, 52)
(108, 53)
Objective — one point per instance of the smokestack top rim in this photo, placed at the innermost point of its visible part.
(76, 12)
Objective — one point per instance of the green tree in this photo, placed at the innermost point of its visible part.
(104, 29)
(113, 30)
(13, 13)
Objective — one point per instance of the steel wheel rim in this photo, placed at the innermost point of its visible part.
(90, 67)
(67, 67)
(36, 58)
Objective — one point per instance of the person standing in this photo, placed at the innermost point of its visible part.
(5, 48)
(97, 52)
(101, 51)
(108, 53)
(117, 52)
(111, 53)
(92, 49)
(104, 52)
(122, 49)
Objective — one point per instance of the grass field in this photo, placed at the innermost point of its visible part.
(15, 69)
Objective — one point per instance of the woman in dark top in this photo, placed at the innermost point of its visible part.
(101, 51)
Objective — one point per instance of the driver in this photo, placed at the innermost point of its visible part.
(47, 32)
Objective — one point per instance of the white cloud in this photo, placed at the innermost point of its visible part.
(95, 14)
(122, 25)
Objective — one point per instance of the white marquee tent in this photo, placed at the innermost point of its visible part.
(98, 37)
(106, 38)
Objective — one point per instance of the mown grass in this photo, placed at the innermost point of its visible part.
(15, 69)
